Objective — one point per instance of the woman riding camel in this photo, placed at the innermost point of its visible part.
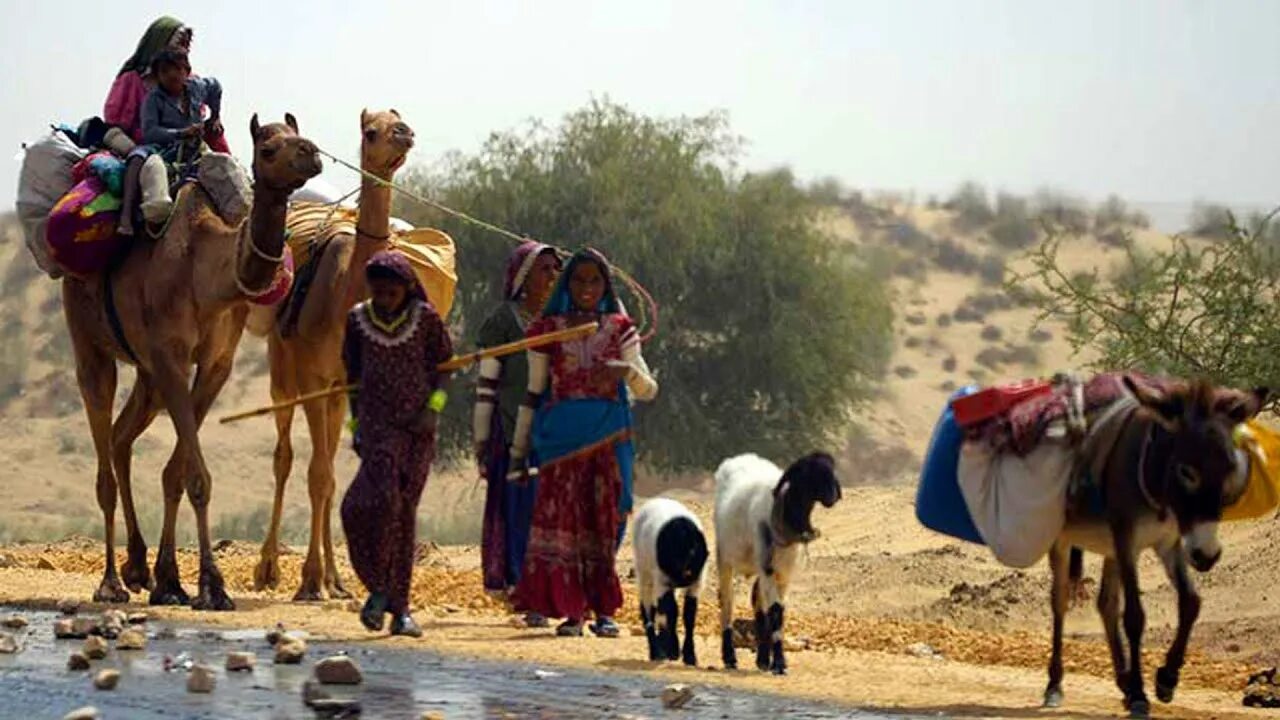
(123, 108)
(508, 507)
(580, 435)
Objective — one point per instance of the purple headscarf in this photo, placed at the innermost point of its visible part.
(520, 264)
(390, 262)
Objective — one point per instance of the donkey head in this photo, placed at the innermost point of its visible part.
(1201, 471)
(809, 480)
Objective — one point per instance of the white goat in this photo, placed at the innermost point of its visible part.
(670, 553)
(762, 519)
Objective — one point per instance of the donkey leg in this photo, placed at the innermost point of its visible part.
(1175, 565)
(1059, 601)
(1109, 609)
(1135, 620)
(727, 654)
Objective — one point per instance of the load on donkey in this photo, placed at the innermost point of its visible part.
(1113, 465)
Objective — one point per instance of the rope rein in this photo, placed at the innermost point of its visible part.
(647, 311)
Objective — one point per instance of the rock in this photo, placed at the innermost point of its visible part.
(201, 679)
(95, 648)
(311, 692)
(63, 629)
(432, 715)
(88, 712)
(923, 650)
(45, 564)
(6, 561)
(84, 627)
(136, 618)
(67, 606)
(676, 696)
(289, 650)
(795, 644)
(275, 634)
(15, 622)
(8, 644)
(77, 661)
(241, 661)
(336, 707)
(132, 639)
(107, 679)
(113, 623)
(338, 670)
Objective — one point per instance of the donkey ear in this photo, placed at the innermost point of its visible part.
(254, 127)
(291, 121)
(1165, 409)
(1247, 405)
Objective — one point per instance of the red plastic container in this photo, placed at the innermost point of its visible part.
(993, 401)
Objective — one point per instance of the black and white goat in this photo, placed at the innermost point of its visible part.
(670, 553)
(762, 519)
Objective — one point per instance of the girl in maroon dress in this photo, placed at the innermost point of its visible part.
(393, 344)
(581, 437)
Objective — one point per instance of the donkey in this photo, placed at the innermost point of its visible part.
(1164, 483)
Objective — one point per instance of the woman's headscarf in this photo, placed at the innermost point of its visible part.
(389, 262)
(520, 264)
(155, 39)
(561, 300)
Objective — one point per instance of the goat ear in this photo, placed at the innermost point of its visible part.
(781, 489)
(1164, 409)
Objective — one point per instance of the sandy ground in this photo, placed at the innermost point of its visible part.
(874, 585)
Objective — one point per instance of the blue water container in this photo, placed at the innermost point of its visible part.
(939, 504)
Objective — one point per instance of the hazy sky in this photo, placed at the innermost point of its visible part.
(1157, 101)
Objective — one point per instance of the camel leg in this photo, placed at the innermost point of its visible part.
(138, 414)
(320, 487)
(267, 573)
(167, 589)
(1059, 600)
(337, 412)
(1175, 565)
(96, 375)
(210, 379)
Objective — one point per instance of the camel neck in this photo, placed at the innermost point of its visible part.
(373, 219)
(262, 242)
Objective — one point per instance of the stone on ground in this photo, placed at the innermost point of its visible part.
(15, 622)
(289, 650)
(77, 661)
(85, 713)
(132, 639)
(8, 644)
(338, 670)
(676, 696)
(241, 661)
(95, 648)
(136, 618)
(201, 679)
(68, 606)
(107, 679)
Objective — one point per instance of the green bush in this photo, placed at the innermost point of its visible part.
(771, 333)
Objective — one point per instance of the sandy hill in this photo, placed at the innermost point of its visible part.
(954, 324)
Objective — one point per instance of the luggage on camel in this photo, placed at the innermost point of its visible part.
(44, 178)
(81, 230)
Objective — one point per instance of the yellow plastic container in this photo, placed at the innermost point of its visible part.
(1262, 495)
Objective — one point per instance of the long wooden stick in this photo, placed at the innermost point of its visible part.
(453, 363)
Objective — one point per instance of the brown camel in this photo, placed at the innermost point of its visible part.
(310, 358)
(169, 305)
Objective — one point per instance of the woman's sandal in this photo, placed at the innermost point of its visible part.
(569, 628)
(605, 627)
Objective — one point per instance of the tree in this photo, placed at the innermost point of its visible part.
(771, 333)
(1194, 310)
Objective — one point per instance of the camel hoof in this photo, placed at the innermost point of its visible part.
(1140, 709)
(337, 592)
(169, 597)
(1053, 698)
(266, 576)
(111, 592)
(214, 601)
(308, 595)
(137, 577)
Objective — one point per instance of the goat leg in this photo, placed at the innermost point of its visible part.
(670, 648)
(779, 666)
(688, 655)
(646, 617)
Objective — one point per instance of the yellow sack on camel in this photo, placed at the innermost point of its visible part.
(1262, 494)
(430, 251)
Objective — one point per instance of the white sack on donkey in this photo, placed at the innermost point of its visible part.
(762, 521)
(670, 554)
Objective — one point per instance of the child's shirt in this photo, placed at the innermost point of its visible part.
(164, 119)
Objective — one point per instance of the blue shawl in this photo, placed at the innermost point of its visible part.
(571, 426)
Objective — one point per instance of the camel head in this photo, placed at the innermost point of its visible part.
(385, 141)
(283, 160)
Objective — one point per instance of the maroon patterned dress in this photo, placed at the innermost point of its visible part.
(396, 372)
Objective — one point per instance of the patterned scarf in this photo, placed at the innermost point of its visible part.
(520, 264)
(561, 300)
(155, 39)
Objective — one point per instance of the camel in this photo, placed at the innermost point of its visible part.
(178, 302)
(310, 358)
